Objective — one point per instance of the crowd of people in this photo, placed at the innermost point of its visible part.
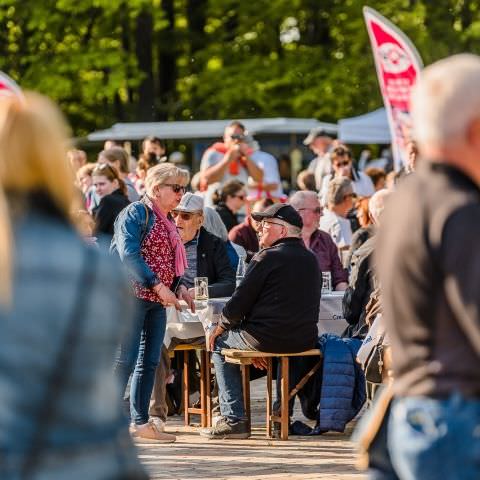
(93, 254)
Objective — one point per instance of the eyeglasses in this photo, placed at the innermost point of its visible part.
(345, 163)
(175, 187)
(316, 210)
(240, 197)
(265, 224)
(183, 215)
(350, 195)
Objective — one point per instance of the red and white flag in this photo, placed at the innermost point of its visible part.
(398, 66)
(8, 87)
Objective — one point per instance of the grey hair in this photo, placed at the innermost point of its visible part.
(299, 198)
(446, 99)
(212, 222)
(376, 204)
(338, 188)
(160, 174)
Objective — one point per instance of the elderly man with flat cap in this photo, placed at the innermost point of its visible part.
(274, 309)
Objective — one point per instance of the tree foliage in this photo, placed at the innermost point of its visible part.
(141, 60)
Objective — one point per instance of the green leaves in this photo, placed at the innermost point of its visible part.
(215, 58)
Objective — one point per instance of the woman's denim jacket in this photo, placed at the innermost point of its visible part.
(131, 227)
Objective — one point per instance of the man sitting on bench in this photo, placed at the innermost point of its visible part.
(274, 309)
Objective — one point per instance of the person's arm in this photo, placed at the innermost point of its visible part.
(215, 171)
(128, 231)
(253, 169)
(460, 261)
(246, 294)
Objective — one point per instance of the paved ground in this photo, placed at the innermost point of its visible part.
(328, 456)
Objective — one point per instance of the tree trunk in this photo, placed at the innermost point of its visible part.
(143, 50)
(167, 64)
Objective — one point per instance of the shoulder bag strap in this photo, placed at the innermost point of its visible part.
(61, 366)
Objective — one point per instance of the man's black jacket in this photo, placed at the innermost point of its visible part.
(276, 305)
(213, 262)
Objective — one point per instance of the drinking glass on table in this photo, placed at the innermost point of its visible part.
(326, 282)
(201, 288)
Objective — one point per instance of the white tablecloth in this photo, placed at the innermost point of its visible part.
(186, 324)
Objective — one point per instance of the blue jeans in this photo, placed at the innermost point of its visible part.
(431, 438)
(229, 377)
(143, 346)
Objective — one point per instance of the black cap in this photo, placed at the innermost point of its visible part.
(282, 211)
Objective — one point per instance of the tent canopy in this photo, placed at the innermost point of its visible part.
(369, 128)
(196, 129)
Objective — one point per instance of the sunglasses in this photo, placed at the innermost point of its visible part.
(175, 187)
(345, 163)
(183, 215)
(241, 197)
(316, 210)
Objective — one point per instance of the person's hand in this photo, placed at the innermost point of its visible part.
(211, 341)
(167, 297)
(187, 296)
(243, 148)
(260, 363)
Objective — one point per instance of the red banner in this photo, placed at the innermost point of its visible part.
(398, 66)
(8, 87)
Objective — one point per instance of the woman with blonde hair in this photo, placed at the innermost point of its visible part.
(62, 306)
(148, 244)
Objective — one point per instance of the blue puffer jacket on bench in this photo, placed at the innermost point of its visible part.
(343, 383)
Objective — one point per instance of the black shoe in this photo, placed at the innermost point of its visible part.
(227, 429)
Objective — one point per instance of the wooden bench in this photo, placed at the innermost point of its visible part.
(205, 410)
(245, 359)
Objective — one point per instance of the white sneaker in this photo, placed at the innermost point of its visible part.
(148, 433)
(159, 423)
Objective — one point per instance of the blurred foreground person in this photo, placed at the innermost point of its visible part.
(61, 319)
(429, 270)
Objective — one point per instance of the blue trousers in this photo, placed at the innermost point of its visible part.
(140, 353)
(229, 377)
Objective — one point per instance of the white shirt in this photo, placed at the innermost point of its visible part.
(338, 227)
(268, 163)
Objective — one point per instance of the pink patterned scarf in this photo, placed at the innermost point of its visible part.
(175, 241)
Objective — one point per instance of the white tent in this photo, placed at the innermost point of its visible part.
(369, 128)
(199, 129)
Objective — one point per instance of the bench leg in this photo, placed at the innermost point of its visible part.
(246, 392)
(269, 398)
(203, 388)
(186, 389)
(285, 395)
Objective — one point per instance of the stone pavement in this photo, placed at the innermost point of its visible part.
(328, 456)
